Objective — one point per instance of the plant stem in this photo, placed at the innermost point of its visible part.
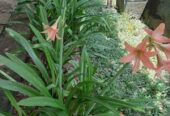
(60, 75)
(106, 89)
(61, 45)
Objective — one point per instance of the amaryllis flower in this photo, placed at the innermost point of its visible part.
(138, 55)
(52, 31)
(157, 34)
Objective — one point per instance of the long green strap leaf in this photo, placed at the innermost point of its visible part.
(15, 59)
(26, 45)
(114, 103)
(122, 103)
(25, 74)
(15, 86)
(43, 14)
(2, 114)
(109, 114)
(46, 51)
(14, 102)
(7, 76)
(42, 102)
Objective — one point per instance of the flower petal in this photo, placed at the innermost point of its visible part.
(127, 58)
(45, 26)
(54, 26)
(136, 65)
(159, 30)
(129, 47)
(165, 40)
(150, 54)
(161, 39)
(148, 31)
(45, 31)
(51, 34)
(142, 45)
(146, 62)
(51, 31)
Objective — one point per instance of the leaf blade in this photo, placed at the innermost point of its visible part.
(42, 101)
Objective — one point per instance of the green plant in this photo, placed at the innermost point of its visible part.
(78, 19)
(43, 92)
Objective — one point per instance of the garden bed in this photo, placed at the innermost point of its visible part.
(73, 62)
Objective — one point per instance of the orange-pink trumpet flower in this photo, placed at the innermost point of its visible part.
(138, 55)
(157, 34)
(142, 53)
(51, 31)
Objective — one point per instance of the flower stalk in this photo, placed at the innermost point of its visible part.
(61, 45)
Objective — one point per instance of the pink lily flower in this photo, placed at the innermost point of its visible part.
(138, 55)
(157, 34)
(51, 31)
